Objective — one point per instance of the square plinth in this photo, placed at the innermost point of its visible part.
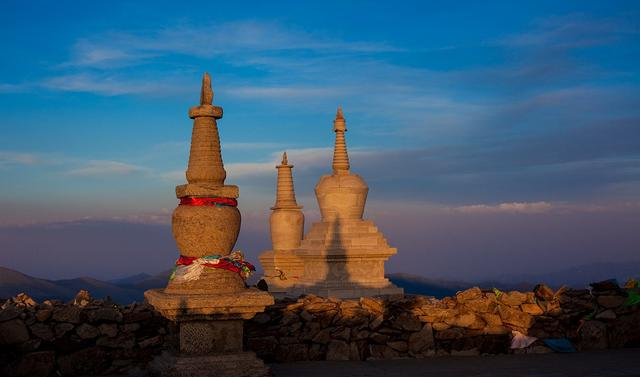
(243, 304)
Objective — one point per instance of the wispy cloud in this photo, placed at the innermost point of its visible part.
(112, 85)
(515, 207)
(570, 31)
(102, 167)
(17, 158)
(120, 48)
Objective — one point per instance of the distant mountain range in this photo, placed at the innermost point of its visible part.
(132, 288)
(122, 290)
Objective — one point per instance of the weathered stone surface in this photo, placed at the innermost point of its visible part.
(607, 314)
(421, 340)
(70, 314)
(86, 331)
(43, 314)
(87, 361)
(10, 312)
(469, 294)
(13, 331)
(515, 317)
(611, 302)
(123, 341)
(399, 345)
(481, 305)
(34, 364)
(108, 329)
(372, 304)
(83, 298)
(62, 328)
(42, 331)
(105, 314)
(491, 319)
(513, 298)
(543, 292)
(533, 309)
(593, 335)
(451, 333)
(338, 350)
(407, 322)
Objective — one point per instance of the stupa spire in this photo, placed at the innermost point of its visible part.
(205, 159)
(285, 194)
(340, 156)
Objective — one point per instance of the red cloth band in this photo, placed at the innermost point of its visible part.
(224, 264)
(189, 201)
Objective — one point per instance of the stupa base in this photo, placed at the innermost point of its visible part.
(241, 364)
(346, 291)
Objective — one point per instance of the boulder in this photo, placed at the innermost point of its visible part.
(9, 312)
(481, 305)
(610, 301)
(491, 319)
(34, 364)
(83, 298)
(421, 340)
(43, 314)
(607, 314)
(338, 350)
(70, 314)
(86, 331)
(469, 294)
(399, 345)
(42, 331)
(515, 317)
(372, 304)
(513, 298)
(13, 332)
(533, 309)
(543, 292)
(105, 314)
(89, 361)
(407, 322)
(62, 328)
(108, 329)
(593, 336)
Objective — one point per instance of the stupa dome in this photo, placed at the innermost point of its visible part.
(341, 196)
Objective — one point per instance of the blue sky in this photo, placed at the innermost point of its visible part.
(461, 109)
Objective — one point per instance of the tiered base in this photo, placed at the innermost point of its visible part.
(344, 259)
(243, 364)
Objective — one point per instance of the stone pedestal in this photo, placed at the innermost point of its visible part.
(208, 303)
(210, 333)
(344, 255)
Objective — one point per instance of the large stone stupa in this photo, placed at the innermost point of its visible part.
(206, 295)
(343, 255)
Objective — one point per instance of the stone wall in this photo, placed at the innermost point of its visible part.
(471, 323)
(84, 337)
(97, 337)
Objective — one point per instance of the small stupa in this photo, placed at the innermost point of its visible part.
(207, 295)
(282, 268)
(343, 255)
